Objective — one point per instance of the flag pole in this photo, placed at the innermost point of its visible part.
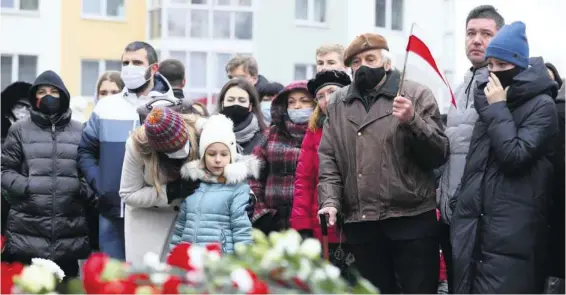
(405, 63)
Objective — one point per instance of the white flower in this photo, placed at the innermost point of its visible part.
(51, 266)
(311, 249)
(196, 256)
(305, 269)
(36, 278)
(318, 275)
(289, 242)
(242, 279)
(271, 258)
(240, 248)
(151, 260)
(195, 276)
(332, 271)
(158, 278)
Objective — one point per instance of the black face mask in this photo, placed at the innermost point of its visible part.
(367, 78)
(506, 77)
(50, 105)
(236, 112)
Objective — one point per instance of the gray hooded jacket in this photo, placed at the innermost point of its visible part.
(459, 127)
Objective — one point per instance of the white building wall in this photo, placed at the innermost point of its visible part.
(283, 42)
(34, 33)
(433, 19)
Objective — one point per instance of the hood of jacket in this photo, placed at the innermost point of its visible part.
(261, 81)
(243, 167)
(52, 79)
(279, 103)
(12, 94)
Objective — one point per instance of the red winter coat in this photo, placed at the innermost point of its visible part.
(305, 197)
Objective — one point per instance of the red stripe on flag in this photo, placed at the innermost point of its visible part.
(418, 47)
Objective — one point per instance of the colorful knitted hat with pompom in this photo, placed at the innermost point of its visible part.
(165, 130)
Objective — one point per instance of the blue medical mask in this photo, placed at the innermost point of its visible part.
(266, 110)
(300, 116)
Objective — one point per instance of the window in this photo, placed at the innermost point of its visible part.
(389, 14)
(310, 11)
(380, 13)
(18, 68)
(304, 72)
(21, 5)
(217, 19)
(91, 71)
(103, 8)
(397, 15)
(206, 73)
(221, 61)
(155, 23)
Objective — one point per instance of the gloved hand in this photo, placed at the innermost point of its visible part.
(306, 233)
(180, 189)
(251, 205)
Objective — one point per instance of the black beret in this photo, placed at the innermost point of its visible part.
(325, 78)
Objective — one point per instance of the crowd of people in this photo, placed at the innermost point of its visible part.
(482, 185)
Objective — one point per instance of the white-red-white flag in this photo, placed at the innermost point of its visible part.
(422, 67)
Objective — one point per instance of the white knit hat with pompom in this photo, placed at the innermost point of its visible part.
(218, 128)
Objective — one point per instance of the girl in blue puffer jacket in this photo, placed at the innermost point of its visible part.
(216, 211)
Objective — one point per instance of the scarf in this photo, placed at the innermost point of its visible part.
(246, 130)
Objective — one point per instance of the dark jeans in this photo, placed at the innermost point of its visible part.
(446, 247)
(111, 237)
(399, 266)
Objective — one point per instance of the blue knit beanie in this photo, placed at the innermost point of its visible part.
(510, 44)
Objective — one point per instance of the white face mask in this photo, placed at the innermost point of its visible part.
(182, 153)
(133, 76)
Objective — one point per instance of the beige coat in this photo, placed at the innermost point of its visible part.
(148, 217)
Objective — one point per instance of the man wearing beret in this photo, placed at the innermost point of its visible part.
(377, 155)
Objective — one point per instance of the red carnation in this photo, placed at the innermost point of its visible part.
(92, 271)
(9, 270)
(171, 286)
(179, 256)
(259, 287)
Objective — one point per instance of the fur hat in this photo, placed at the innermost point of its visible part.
(364, 42)
(326, 78)
(218, 128)
(165, 130)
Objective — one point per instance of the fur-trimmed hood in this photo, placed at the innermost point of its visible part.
(239, 171)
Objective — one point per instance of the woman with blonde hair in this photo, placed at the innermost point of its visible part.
(150, 185)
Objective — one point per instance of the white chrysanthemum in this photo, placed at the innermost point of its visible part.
(271, 258)
(318, 275)
(196, 256)
(332, 271)
(305, 269)
(35, 279)
(289, 242)
(310, 248)
(243, 279)
(51, 266)
(158, 278)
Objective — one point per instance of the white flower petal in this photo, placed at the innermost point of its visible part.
(311, 249)
(243, 279)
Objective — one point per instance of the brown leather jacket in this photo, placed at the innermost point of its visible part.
(372, 167)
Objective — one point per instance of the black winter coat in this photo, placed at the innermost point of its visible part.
(499, 226)
(45, 190)
(558, 205)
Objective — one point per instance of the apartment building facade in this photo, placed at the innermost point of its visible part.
(281, 35)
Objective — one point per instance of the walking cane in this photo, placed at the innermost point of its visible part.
(324, 229)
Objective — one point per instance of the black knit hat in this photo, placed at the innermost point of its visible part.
(557, 77)
(326, 78)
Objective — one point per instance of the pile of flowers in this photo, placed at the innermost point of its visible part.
(280, 263)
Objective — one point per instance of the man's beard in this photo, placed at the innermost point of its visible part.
(144, 86)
